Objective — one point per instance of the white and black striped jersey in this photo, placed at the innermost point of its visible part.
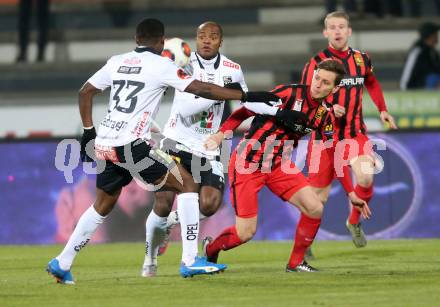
(194, 118)
(137, 80)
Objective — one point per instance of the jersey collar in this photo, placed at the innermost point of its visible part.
(141, 49)
(340, 54)
(312, 102)
(216, 63)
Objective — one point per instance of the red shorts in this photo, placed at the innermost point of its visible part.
(284, 180)
(323, 168)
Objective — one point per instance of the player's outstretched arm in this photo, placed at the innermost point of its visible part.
(212, 91)
(375, 90)
(197, 106)
(214, 140)
(288, 118)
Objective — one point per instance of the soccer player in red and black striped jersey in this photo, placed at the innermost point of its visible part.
(350, 128)
(263, 158)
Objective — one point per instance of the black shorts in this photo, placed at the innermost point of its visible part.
(206, 172)
(116, 175)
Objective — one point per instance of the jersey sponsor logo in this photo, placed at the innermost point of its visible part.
(113, 124)
(78, 247)
(137, 131)
(132, 61)
(129, 70)
(352, 81)
(182, 74)
(227, 79)
(230, 64)
(358, 59)
(203, 130)
(207, 119)
(191, 231)
(328, 130)
(320, 112)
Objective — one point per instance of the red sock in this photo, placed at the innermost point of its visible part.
(364, 194)
(226, 240)
(305, 234)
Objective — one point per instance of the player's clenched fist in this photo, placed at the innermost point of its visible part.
(214, 141)
(265, 97)
(338, 110)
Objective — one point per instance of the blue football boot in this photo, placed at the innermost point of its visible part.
(62, 277)
(201, 266)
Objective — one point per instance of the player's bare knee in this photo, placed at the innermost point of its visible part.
(209, 203)
(323, 198)
(162, 204)
(314, 209)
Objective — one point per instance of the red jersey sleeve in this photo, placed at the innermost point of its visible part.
(283, 91)
(374, 88)
(307, 73)
(235, 119)
(345, 180)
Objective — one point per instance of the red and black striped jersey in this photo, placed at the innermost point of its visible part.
(267, 137)
(359, 71)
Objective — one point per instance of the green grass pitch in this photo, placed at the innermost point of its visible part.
(385, 273)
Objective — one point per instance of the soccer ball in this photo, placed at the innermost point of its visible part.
(177, 50)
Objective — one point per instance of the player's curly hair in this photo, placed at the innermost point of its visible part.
(150, 30)
(334, 66)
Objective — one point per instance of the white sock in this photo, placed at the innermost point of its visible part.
(155, 227)
(188, 210)
(84, 230)
(173, 218)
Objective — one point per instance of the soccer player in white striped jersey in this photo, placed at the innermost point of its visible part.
(137, 80)
(191, 121)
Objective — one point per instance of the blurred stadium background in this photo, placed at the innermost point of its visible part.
(272, 40)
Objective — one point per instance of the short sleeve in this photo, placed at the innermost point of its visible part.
(240, 79)
(102, 78)
(171, 75)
